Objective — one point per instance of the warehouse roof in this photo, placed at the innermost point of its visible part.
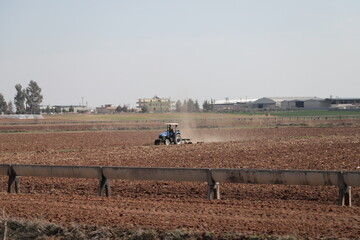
(234, 101)
(280, 99)
(264, 100)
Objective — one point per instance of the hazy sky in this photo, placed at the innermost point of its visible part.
(118, 51)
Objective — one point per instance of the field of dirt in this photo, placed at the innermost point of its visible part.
(213, 121)
(302, 211)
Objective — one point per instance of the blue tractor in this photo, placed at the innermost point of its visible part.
(171, 136)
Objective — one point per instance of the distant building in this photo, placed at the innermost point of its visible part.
(155, 104)
(305, 103)
(343, 103)
(66, 108)
(21, 116)
(242, 104)
(107, 109)
(264, 103)
(285, 103)
(232, 105)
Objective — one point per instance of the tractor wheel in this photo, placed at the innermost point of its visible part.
(157, 142)
(178, 139)
(167, 142)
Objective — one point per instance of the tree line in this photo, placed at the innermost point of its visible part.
(27, 100)
(189, 105)
(124, 108)
(208, 105)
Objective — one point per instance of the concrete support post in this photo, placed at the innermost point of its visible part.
(344, 192)
(345, 196)
(14, 182)
(348, 196)
(341, 199)
(104, 186)
(342, 186)
(213, 190)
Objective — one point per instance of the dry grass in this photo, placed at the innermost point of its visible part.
(19, 229)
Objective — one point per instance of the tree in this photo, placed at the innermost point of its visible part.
(196, 106)
(48, 110)
(10, 108)
(71, 109)
(19, 99)
(208, 106)
(33, 98)
(3, 104)
(190, 105)
(144, 109)
(178, 106)
(212, 102)
(184, 106)
(125, 108)
(119, 109)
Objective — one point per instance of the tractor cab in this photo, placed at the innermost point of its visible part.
(171, 129)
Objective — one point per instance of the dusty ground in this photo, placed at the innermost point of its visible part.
(88, 122)
(303, 211)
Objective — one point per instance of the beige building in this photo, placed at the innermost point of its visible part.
(155, 104)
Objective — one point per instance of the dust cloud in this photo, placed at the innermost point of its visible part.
(198, 130)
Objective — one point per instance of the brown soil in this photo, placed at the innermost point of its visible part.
(55, 124)
(304, 211)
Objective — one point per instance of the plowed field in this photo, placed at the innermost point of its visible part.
(303, 211)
